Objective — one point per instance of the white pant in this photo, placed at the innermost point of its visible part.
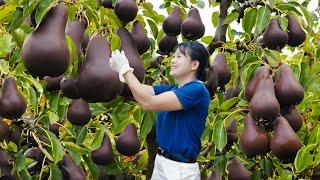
(166, 169)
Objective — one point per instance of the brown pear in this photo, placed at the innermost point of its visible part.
(287, 87)
(104, 155)
(253, 140)
(172, 24)
(251, 86)
(232, 92)
(53, 84)
(140, 37)
(54, 127)
(68, 88)
(128, 142)
(237, 171)
(75, 30)
(15, 133)
(12, 103)
(107, 4)
(79, 112)
(221, 67)
(192, 28)
(292, 115)
(4, 130)
(4, 159)
(96, 81)
(70, 170)
(45, 51)
(232, 133)
(167, 44)
(296, 34)
(37, 155)
(274, 37)
(215, 175)
(130, 49)
(264, 104)
(126, 10)
(285, 143)
(212, 80)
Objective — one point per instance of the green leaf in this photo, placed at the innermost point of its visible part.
(20, 161)
(55, 172)
(147, 124)
(289, 7)
(16, 19)
(153, 28)
(54, 101)
(215, 18)
(97, 140)
(315, 136)
(5, 44)
(308, 18)
(231, 17)
(82, 135)
(33, 98)
(229, 103)
(249, 20)
(6, 12)
(220, 135)
(266, 165)
(263, 18)
(207, 39)
(115, 43)
(304, 158)
(43, 7)
(56, 147)
(283, 23)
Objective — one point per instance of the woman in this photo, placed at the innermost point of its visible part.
(182, 109)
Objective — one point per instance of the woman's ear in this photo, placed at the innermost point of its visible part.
(195, 64)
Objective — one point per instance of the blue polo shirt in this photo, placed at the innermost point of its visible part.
(179, 132)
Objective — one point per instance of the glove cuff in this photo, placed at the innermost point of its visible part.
(124, 70)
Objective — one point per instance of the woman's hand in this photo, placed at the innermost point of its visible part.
(119, 62)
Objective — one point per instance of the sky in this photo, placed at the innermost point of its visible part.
(206, 13)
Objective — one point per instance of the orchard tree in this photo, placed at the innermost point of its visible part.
(64, 114)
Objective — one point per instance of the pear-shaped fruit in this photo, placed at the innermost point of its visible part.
(292, 115)
(4, 130)
(104, 155)
(54, 127)
(53, 84)
(232, 92)
(141, 39)
(253, 140)
(131, 51)
(221, 67)
(12, 103)
(106, 3)
(285, 143)
(212, 80)
(296, 34)
(37, 155)
(126, 10)
(172, 24)
(128, 142)
(215, 175)
(274, 37)
(15, 134)
(70, 170)
(287, 87)
(4, 159)
(192, 28)
(5, 173)
(75, 30)
(155, 62)
(232, 133)
(45, 51)
(167, 44)
(79, 112)
(96, 81)
(251, 86)
(68, 88)
(237, 171)
(264, 104)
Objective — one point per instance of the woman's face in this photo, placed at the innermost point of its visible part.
(181, 65)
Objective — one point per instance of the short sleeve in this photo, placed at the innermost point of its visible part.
(189, 95)
(158, 89)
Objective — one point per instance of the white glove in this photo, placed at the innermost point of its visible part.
(119, 62)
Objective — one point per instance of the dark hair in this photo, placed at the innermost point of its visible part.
(196, 51)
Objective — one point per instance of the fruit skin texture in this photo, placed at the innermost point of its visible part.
(251, 86)
(15, 134)
(274, 37)
(96, 81)
(287, 87)
(167, 44)
(172, 24)
(294, 118)
(253, 140)
(141, 39)
(221, 67)
(68, 87)
(296, 35)
(232, 133)
(285, 143)
(212, 80)
(237, 171)
(104, 155)
(192, 28)
(53, 84)
(128, 142)
(264, 104)
(126, 10)
(70, 170)
(79, 112)
(45, 51)
(12, 103)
